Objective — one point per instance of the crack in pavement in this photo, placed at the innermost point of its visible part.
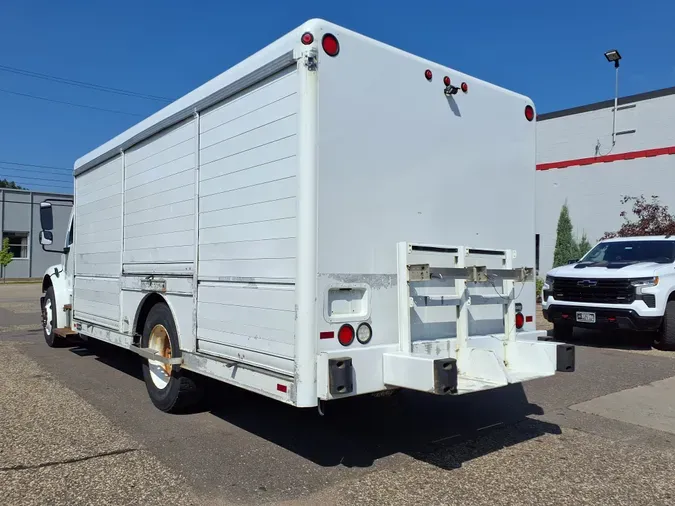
(23, 467)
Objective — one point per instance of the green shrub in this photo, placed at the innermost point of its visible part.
(566, 248)
(540, 287)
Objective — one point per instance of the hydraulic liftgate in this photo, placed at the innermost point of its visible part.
(464, 363)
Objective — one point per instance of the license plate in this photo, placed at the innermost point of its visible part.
(585, 317)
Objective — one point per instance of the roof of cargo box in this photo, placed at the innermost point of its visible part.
(253, 69)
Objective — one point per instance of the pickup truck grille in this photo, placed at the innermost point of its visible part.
(606, 291)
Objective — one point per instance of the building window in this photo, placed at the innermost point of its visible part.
(536, 253)
(18, 243)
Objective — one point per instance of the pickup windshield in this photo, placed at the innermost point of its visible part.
(623, 252)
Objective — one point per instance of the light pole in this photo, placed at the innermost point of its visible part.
(613, 56)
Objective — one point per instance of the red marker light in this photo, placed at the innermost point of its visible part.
(446, 81)
(465, 87)
(307, 38)
(529, 113)
(428, 74)
(282, 388)
(327, 335)
(330, 44)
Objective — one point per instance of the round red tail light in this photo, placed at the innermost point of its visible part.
(330, 44)
(446, 81)
(465, 87)
(346, 335)
(428, 74)
(307, 38)
(520, 320)
(529, 113)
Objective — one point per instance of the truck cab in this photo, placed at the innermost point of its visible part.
(57, 281)
(622, 283)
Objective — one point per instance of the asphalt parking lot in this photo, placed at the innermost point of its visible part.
(77, 427)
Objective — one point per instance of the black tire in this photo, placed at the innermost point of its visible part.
(562, 332)
(182, 391)
(49, 321)
(665, 339)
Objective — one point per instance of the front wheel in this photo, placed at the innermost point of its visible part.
(170, 389)
(665, 339)
(49, 319)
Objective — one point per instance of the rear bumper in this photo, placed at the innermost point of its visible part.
(606, 319)
(440, 367)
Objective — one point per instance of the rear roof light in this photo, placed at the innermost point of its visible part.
(428, 74)
(529, 112)
(446, 81)
(330, 44)
(307, 38)
(465, 87)
(346, 335)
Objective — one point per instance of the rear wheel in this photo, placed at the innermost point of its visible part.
(562, 332)
(49, 319)
(170, 389)
(665, 339)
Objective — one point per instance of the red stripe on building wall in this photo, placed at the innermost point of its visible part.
(630, 155)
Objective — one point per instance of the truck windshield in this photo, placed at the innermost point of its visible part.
(662, 252)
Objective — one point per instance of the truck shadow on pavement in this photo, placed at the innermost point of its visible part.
(356, 432)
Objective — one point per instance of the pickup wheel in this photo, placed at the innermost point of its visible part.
(562, 332)
(666, 337)
(170, 389)
(49, 319)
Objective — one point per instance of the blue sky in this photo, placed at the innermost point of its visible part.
(550, 51)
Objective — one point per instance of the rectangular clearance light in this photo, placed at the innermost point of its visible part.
(327, 335)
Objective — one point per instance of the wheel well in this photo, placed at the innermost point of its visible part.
(671, 296)
(143, 311)
(46, 283)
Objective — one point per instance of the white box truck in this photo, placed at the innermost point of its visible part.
(330, 217)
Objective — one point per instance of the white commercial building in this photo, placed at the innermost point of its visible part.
(578, 163)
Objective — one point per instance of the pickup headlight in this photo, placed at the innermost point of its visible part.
(548, 283)
(641, 283)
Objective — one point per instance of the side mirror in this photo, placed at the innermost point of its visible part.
(46, 216)
(46, 237)
(570, 262)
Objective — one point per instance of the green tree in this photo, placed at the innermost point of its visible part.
(584, 246)
(5, 256)
(4, 183)
(566, 248)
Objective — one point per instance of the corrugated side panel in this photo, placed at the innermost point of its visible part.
(247, 225)
(98, 221)
(159, 206)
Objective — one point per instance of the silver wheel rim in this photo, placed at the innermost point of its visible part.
(160, 343)
(48, 317)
